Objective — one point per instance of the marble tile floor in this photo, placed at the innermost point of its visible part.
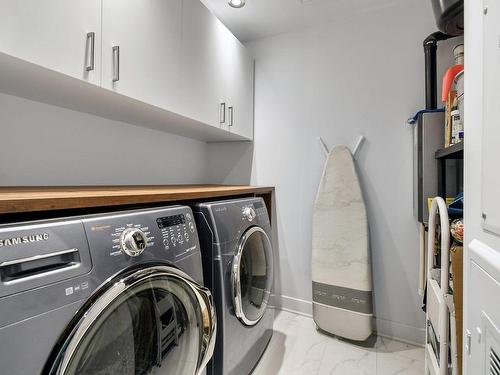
(297, 348)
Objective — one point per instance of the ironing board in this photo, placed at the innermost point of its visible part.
(341, 268)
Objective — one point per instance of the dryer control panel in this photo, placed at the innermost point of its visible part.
(231, 218)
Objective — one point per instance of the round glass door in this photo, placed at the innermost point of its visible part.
(252, 275)
(152, 321)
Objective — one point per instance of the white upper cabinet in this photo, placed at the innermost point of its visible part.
(203, 75)
(217, 72)
(239, 88)
(491, 113)
(141, 42)
(60, 35)
(172, 60)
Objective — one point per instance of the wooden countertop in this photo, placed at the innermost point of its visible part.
(30, 199)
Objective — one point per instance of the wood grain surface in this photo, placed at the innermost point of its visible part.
(30, 199)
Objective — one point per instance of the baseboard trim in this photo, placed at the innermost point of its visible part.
(295, 305)
(400, 332)
(385, 328)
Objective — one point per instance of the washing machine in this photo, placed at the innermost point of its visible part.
(116, 293)
(238, 269)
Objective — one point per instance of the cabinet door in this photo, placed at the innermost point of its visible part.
(203, 54)
(217, 69)
(491, 114)
(141, 50)
(239, 88)
(53, 34)
(482, 335)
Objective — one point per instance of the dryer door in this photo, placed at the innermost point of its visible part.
(154, 320)
(252, 275)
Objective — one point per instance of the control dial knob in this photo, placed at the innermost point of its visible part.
(133, 241)
(249, 213)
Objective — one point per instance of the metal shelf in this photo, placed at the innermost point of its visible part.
(455, 151)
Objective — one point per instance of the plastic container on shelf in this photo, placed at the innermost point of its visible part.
(452, 72)
(459, 87)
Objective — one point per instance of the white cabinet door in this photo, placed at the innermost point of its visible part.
(203, 75)
(240, 88)
(225, 58)
(217, 70)
(482, 332)
(53, 34)
(141, 50)
(491, 114)
(238, 82)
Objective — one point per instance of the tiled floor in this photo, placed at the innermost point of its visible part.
(298, 348)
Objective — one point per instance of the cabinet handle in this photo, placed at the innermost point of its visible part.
(230, 116)
(91, 43)
(222, 113)
(116, 63)
(468, 336)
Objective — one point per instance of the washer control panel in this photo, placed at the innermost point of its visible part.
(177, 232)
(166, 233)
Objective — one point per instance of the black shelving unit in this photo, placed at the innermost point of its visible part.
(454, 152)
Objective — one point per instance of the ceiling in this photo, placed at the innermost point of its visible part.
(263, 18)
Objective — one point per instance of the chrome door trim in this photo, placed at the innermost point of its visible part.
(235, 276)
(203, 296)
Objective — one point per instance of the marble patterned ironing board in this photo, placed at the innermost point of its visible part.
(341, 267)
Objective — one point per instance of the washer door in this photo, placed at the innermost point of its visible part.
(155, 320)
(252, 276)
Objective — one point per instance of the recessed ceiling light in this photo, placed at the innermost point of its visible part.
(237, 3)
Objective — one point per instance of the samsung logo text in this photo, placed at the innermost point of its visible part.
(24, 239)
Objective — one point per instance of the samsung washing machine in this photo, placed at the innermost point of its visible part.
(105, 294)
(238, 269)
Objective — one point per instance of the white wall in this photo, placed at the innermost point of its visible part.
(47, 145)
(361, 76)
